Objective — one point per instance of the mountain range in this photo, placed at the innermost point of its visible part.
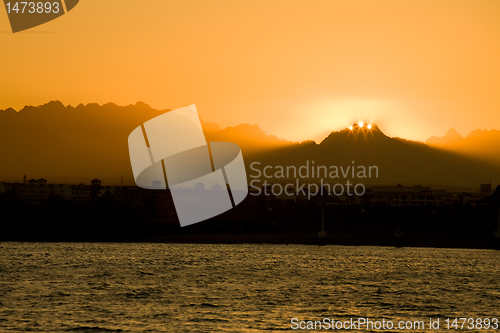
(76, 144)
(66, 143)
(484, 144)
(397, 160)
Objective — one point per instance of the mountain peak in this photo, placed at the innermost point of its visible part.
(356, 133)
(54, 104)
(249, 137)
(373, 129)
(10, 111)
(452, 132)
(451, 137)
(364, 127)
(140, 104)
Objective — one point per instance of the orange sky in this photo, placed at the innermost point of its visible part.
(299, 69)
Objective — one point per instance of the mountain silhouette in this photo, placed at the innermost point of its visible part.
(482, 144)
(450, 138)
(398, 160)
(250, 138)
(76, 144)
(209, 128)
(66, 143)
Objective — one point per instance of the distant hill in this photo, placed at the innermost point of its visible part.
(483, 144)
(80, 143)
(397, 159)
(76, 144)
(250, 138)
(210, 128)
(450, 138)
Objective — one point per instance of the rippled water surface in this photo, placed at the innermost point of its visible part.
(97, 287)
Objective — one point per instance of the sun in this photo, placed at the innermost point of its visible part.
(361, 125)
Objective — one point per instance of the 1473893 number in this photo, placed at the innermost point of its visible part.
(33, 7)
(471, 323)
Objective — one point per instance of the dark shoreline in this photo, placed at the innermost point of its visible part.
(302, 238)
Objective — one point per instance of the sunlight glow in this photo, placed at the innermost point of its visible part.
(369, 126)
(360, 124)
(350, 127)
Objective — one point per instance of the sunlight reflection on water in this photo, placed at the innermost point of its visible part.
(96, 287)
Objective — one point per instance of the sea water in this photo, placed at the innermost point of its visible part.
(139, 287)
